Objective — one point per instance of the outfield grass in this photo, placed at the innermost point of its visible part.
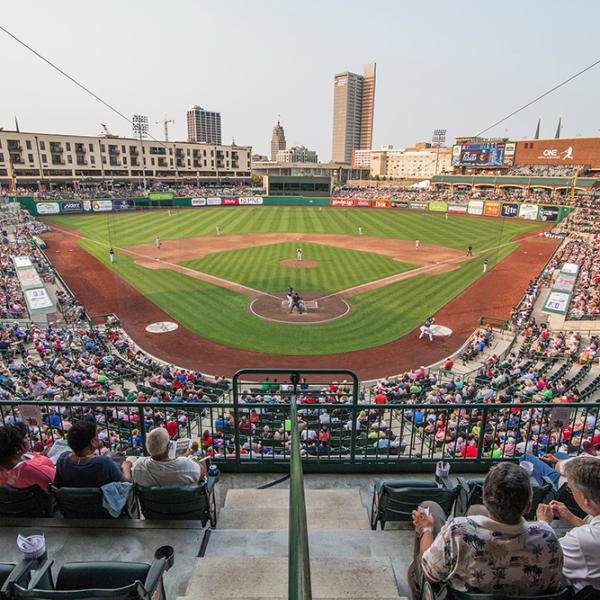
(458, 232)
(378, 316)
(259, 267)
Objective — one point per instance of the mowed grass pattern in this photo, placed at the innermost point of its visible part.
(378, 316)
(135, 228)
(259, 267)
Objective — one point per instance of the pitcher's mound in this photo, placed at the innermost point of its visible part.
(305, 263)
(321, 308)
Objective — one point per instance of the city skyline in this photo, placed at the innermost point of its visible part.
(439, 67)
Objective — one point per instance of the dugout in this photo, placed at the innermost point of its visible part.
(310, 186)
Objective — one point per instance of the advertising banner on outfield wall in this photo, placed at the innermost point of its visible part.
(161, 196)
(198, 201)
(549, 213)
(47, 208)
(251, 200)
(87, 205)
(475, 207)
(362, 203)
(491, 209)
(71, 207)
(419, 205)
(127, 204)
(528, 211)
(380, 203)
(213, 201)
(102, 205)
(510, 209)
(230, 201)
(342, 202)
(438, 206)
(457, 208)
(399, 204)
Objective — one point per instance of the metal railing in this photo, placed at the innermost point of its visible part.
(334, 436)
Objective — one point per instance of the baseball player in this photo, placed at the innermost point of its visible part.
(290, 298)
(360, 231)
(470, 251)
(485, 264)
(157, 243)
(299, 254)
(426, 328)
(111, 254)
(218, 230)
(417, 244)
(446, 215)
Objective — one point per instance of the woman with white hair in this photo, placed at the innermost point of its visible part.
(158, 470)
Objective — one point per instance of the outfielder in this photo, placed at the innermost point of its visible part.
(218, 230)
(360, 231)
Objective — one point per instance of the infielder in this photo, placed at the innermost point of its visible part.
(157, 243)
(360, 231)
(485, 264)
(417, 244)
(218, 230)
(111, 255)
(299, 254)
(426, 328)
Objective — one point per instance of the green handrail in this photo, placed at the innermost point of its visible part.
(299, 587)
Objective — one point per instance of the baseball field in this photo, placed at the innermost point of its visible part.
(372, 286)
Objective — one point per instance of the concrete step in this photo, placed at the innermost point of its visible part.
(323, 543)
(266, 578)
(258, 517)
(315, 499)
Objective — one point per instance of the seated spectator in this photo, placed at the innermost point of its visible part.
(19, 468)
(158, 470)
(496, 552)
(581, 545)
(83, 467)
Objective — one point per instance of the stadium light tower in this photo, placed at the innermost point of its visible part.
(140, 129)
(438, 138)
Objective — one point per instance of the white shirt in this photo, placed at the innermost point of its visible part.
(581, 551)
(148, 472)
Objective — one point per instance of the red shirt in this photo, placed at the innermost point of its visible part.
(37, 470)
(172, 428)
(469, 452)
(380, 399)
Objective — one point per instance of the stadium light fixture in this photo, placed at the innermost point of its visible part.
(139, 124)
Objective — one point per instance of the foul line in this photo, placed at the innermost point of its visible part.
(424, 269)
(224, 283)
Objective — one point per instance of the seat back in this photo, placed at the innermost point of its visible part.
(397, 503)
(564, 594)
(175, 502)
(5, 571)
(80, 503)
(27, 502)
(100, 575)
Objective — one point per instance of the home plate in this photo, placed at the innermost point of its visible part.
(161, 327)
(441, 330)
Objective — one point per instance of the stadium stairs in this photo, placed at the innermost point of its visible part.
(246, 556)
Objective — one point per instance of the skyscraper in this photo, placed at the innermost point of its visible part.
(203, 125)
(353, 104)
(277, 140)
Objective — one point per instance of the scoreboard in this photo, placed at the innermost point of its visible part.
(479, 155)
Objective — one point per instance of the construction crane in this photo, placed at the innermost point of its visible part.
(165, 122)
(107, 133)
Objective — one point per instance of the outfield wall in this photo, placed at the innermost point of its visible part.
(487, 208)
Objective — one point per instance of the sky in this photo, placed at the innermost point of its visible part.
(440, 64)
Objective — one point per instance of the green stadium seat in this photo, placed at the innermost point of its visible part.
(471, 493)
(86, 503)
(195, 502)
(27, 502)
(95, 580)
(441, 592)
(395, 500)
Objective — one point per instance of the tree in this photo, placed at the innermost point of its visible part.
(257, 180)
